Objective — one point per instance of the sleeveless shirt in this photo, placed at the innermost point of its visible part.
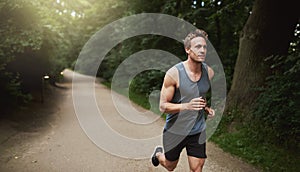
(188, 122)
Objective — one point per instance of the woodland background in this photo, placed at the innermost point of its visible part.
(257, 41)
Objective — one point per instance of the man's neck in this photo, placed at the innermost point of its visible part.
(194, 67)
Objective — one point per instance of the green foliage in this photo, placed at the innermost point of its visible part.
(270, 138)
(147, 81)
(37, 38)
(223, 22)
(277, 113)
(18, 35)
(12, 94)
(211, 17)
(264, 155)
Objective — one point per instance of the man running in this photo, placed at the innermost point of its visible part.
(183, 99)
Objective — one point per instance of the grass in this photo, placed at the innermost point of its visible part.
(138, 99)
(266, 156)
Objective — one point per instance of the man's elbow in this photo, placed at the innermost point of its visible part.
(162, 108)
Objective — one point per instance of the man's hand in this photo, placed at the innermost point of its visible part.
(196, 104)
(210, 112)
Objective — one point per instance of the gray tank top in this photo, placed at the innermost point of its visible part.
(188, 122)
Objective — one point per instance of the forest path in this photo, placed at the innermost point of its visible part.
(48, 137)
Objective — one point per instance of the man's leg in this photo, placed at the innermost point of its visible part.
(169, 165)
(196, 164)
(196, 150)
(173, 145)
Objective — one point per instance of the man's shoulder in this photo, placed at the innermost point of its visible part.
(173, 70)
(172, 75)
(175, 67)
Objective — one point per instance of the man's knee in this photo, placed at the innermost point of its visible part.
(171, 165)
(197, 166)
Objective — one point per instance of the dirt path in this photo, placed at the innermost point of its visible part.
(48, 137)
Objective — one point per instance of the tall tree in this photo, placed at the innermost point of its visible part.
(267, 32)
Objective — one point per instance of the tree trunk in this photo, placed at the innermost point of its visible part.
(267, 32)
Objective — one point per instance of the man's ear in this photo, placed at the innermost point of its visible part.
(187, 50)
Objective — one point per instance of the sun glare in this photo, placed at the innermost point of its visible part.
(73, 14)
(66, 11)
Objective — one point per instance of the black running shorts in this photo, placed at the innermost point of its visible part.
(173, 145)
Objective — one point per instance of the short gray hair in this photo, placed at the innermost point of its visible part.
(192, 35)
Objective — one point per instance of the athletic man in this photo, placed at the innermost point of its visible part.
(183, 99)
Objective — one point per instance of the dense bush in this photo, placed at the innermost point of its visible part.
(33, 44)
(277, 113)
(18, 35)
(145, 81)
